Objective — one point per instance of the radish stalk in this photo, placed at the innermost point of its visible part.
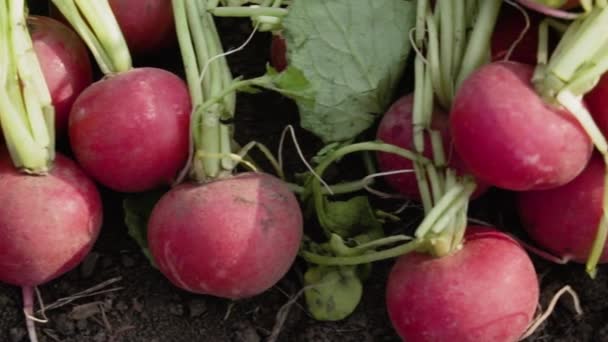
(26, 112)
(95, 23)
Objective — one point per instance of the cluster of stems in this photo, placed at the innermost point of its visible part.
(26, 112)
(452, 40)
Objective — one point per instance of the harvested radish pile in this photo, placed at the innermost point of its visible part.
(303, 170)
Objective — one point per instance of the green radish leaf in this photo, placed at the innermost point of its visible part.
(352, 53)
(332, 293)
(291, 83)
(137, 209)
(349, 218)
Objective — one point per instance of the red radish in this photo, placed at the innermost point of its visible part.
(597, 104)
(130, 131)
(509, 26)
(508, 137)
(564, 220)
(146, 24)
(396, 128)
(47, 223)
(232, 238)
(65, 63)
(487, 291)
(278, 52)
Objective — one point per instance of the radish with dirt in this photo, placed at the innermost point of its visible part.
(564, 220)
(231, 236)
(117, 122)
(65, 63)
(51, 212)
(533, 145)
(542, 132)
(486, 291)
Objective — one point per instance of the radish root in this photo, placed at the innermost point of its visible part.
(535, 324)
(523, 32)
(289, 128)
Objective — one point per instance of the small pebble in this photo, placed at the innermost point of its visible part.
(17, 334)
(197, 307)
(64, 325)
(245, 332)
(127, 261)
(176, 309)
(82, 324)
(87, 267)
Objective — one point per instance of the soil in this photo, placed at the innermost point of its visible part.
(141, 305)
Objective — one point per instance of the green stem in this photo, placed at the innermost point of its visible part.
(100, 17)
(589, 39)
(459, 35)
(602, 231)
(451, 196)
(479, 42)
(26, 112)
(396, 251)
(433, 62)
(210, 82)
(418, 111)
(580, 112)
(97, 26)
(421, 12)
(446, 39)
(248, 11)
(335, 189)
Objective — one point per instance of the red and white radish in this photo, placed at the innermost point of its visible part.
(565, 220)
(396, 128)
(486, 291)
(509, 137)
(231, 238)
(146, 24)
(48, 225)
(130, 131)
(64, 60)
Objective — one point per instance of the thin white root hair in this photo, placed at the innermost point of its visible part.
(543, 254)
(227, 53)
(283, 312)
(92, 291)
(381, 194)
(480, 222)
(402, 208)
(522, 33)
(290, 129)
(543, 317)
(417, 49)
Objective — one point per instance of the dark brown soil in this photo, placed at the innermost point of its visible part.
(145, 307)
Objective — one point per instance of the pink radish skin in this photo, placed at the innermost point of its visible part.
(230, 238)
(147, 25)
(396, 128)
(130, 131)
(508, 137)
(564, 220)
(48, 224)
(278, 53)
(487, 291)
(64, 60)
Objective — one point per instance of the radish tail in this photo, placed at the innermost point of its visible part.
(28, 309)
